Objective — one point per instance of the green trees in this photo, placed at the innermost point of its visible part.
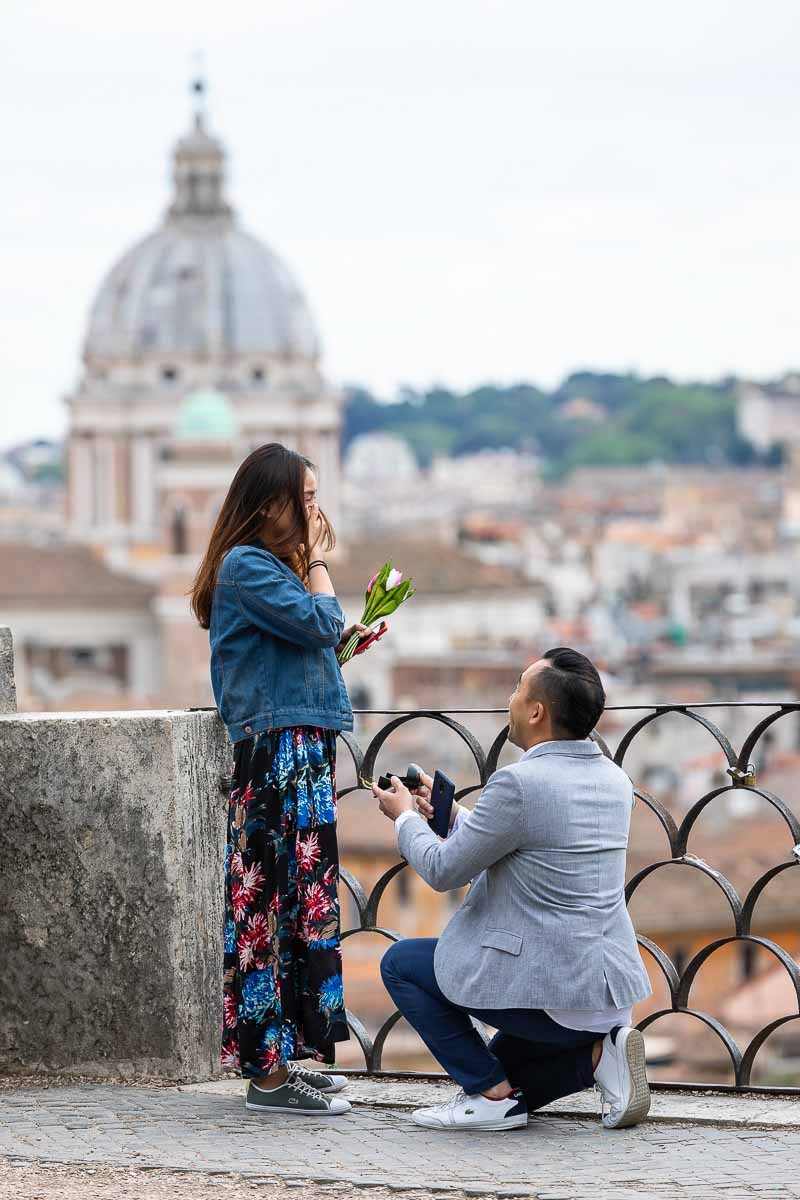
(591, 419)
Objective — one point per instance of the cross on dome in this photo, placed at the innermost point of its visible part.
(199, 89)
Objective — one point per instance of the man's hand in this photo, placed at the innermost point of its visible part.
(399, 800)
(422, 796)
(422, 799)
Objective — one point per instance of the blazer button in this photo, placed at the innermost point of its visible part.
(248, 728)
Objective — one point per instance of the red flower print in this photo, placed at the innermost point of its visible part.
(251, 883)
(329, 878)
(308, 853)
(240, 897)
(317, 902)
(269, 1059)
(230, 1058)
(253, 880)
(247, 956)
(258, 932)
(249, 794)
(230, 1014)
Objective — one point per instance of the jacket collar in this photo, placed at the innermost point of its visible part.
(575, 748)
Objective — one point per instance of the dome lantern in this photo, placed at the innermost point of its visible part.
(199, 170)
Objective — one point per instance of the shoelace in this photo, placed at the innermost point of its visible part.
(296, 1069)
(603, 1102)
(452, 1104)
(300, 1085)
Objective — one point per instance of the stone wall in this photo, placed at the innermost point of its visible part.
(111, 850)
(8, 691)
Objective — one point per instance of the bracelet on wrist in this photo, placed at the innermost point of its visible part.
(318, 562)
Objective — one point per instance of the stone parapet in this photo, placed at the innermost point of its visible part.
(8, 689)
(111, 893)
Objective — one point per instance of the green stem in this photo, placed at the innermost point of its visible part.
(349, 649)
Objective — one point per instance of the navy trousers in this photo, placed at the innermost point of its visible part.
(533, 1052)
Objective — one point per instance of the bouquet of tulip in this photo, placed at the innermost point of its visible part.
(386, 592)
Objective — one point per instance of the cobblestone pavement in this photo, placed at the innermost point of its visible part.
(555, 1158)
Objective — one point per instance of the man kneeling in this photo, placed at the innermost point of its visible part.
(542, 948)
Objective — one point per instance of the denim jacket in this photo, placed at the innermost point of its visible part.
(273, 648)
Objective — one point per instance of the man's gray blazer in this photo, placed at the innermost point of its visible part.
(544, 924)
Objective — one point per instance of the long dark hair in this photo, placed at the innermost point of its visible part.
(271, 473)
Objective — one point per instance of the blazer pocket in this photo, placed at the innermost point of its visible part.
(500, 939)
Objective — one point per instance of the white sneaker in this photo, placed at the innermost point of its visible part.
(622, 1079)
(475, 1112)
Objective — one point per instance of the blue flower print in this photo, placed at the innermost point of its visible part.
(304, 804)
(288, 1041)
(258, 995)
(301, 746)
(270, 1037)
(230, 936)
(323, 799)
(283, 767)
(331, 995)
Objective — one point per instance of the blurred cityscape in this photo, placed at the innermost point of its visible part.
(681, 580)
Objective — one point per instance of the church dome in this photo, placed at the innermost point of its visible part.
(206, 415)
(200, 284)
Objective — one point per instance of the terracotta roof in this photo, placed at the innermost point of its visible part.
(680, 898)
(362, 828)
(436, 569)
(761, 1000)
(65, 576)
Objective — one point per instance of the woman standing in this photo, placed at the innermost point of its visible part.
(264, 592)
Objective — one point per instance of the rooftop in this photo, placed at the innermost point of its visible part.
(32, 576)
(436, 569)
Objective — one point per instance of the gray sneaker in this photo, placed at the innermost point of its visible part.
(293, 1096)
(323, 1083)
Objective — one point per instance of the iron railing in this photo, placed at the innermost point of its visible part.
(738, 766)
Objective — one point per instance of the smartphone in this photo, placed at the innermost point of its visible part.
(442, 795)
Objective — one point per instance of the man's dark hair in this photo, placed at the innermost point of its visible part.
(570, 687)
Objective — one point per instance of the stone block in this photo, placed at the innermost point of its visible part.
(111, 893)
(8, 688)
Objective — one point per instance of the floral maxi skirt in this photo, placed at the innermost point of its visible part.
(282, 990)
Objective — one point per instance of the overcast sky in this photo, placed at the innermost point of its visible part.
(467, 190)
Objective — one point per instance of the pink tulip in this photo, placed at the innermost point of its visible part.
(395, 577)
(372, 582)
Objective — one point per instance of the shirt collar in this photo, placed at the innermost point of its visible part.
(574, 747)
